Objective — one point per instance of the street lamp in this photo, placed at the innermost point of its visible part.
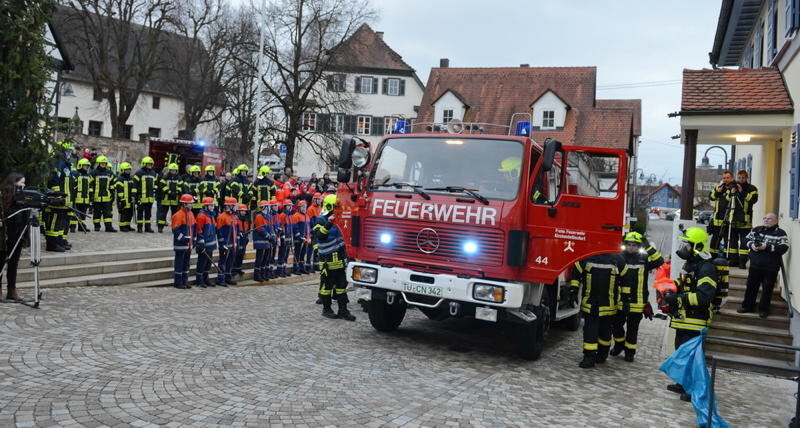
(705, 161)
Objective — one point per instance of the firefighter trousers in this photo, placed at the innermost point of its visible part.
(333, 285)
(101, 212)
(225, 263)
(55, 221)
(596, 334)
(626, 329)
(82, 210)
(239, 259)
(735, 247)
(204, 258)
(125, 217)
(759, 279)
(182, 263)
(162, 214)
(298, 256)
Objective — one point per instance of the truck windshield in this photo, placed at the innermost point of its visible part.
(487, 166)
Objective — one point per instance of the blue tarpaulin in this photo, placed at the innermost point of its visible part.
(687, 366)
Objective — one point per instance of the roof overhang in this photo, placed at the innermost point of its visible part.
(736, 19)
(762, 128)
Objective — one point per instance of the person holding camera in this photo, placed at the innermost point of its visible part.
(745, 196)
(11, 229)
(767, 244)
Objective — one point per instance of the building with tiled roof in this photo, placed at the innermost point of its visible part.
(379, 89)
(748, 90)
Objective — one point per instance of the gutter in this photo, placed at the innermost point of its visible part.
(729, 112)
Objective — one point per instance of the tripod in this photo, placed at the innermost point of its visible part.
(36, 252)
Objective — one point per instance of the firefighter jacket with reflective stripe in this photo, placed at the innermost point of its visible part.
(263, 189)
(313, 214)
(183, 230)
(170, 187)
(697, 285)
(206, 230)
(191, 186)
(209, 186)
(262, 231)
(743, 212)
(63, 182)
(103, 185)
(330, 244)
(124, 189)
(777, 243)
(599, 276)
(56, 183)
(633, 285)
(721, 196)
(144, 187)
(239, 188)
(227, 230)
(244, 231)
(83, 187)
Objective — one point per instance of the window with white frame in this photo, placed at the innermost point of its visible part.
(309, 121)
(337, 123)
(388, 124)
(548, 119)
(447, 115)
(364, 124)
(366, 85)
(393, 86)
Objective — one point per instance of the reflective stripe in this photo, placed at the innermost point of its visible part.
(692, 299)
(589, 346)
(619, 339)
(630, 345)
(575, 283)
(181, 247)
(602, 266)
(604, 342)
(707, 280)
(579, 267)
(625, 290)
(653, 257)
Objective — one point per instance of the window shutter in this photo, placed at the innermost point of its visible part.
(385, 89)
(374, 85)
(759, 42)
(402, 87)
(358, 85)
(376, 126)
(323, 122)
(790, 23)
(350, 124)
(771, 31)
(794, 175)
(330, 82)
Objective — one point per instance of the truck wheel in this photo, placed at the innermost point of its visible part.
(531, 336)
(572, 323)
(385, 317)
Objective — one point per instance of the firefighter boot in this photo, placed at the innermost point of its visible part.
(110, 228)
(588, 359)
(618, 347)
(207, 281)
(257, 275)
(602, 355)
(73, 228)
(629, 353)
(327, 311)
(53, 245)
(345, 314)
(149, 228)
(139, 228)
(198, 281)
(160, 229)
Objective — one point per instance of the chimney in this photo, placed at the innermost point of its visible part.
(379, 34)
(444, 63)
(524, 65)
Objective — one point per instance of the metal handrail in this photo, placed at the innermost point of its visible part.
(714, 360)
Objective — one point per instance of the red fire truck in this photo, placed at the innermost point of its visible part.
(476, 225)
(185, 152)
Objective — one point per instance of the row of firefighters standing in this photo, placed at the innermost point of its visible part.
(615, 295)
(278, 230)
(135, 195)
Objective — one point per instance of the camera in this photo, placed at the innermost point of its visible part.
(35, 199)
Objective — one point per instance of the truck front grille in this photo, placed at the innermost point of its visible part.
(489, 243)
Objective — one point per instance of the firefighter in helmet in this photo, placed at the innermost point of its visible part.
(332, 260)
(184, 237)
(145, 183)
(634, 293)
(209, 186)
(103, 195)
(125, 198)
(599, 275)
(263, 187)
(192, 186)
(227, 238)
(170, 187)
(83, 191)
(697, 288)
(240, 187)
(206, 241)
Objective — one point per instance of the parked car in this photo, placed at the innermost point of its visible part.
(703, 217)
(672, 214)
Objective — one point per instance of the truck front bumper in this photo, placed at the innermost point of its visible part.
(441, 287)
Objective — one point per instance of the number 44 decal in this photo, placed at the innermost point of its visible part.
(541, 260)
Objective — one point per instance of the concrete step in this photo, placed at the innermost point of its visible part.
(780, 321)
(751, 359)
(742, 349)
(776, 305)
(750, 332)
(69, 258)
(739, 289)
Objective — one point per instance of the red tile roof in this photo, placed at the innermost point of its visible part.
(605, 128)
(735, 91)
(634, 106)
(365, 49)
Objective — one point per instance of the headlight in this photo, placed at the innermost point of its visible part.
(365, 274)
(360, 156)
(489, 293)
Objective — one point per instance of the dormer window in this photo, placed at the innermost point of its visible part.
(548, 119)
(447, 115)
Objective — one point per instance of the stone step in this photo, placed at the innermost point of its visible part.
(776, 305)
(725, 314)
(739, 289)
(69, 258)
(751, 359)
(750, 332)
(744, 349)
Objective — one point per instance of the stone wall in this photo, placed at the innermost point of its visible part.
(116, 149)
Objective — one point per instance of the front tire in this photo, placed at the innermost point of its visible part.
(531, 336)
(385, 317)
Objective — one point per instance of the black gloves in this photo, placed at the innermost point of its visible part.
(648, 312)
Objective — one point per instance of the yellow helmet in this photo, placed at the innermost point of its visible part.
(210, 168)
(264, 170)
(241, 168)
(329, 203)
(147, 160)
(101, 159)
(84, 161)
(697, 237)
(511, 164)
(173, 167)
(124, 165)
(194, 168)
(634, 237)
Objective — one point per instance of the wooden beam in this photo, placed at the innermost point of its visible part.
(687, 186)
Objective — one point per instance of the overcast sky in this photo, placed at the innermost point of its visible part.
(629, 42)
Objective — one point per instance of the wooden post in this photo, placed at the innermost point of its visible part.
(687, 186)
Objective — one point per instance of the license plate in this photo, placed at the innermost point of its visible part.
(428, 290)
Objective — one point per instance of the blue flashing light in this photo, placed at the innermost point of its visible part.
(470, 247)
(386, 238)
(201, 143)
(523, 129)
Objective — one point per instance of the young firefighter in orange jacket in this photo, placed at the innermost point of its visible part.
(284, 236)
(227, 234)
(311, 252)
(302, 238)
(184, 233)
(242, 239)
(206, 241)
(262, 241)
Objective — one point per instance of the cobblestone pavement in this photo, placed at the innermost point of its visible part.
(264, 355)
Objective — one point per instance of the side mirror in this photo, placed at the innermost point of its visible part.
(346, 153)
(343, 175)
(550, 148)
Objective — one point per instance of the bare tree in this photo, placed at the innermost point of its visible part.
(121, 43)
(300, 36)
